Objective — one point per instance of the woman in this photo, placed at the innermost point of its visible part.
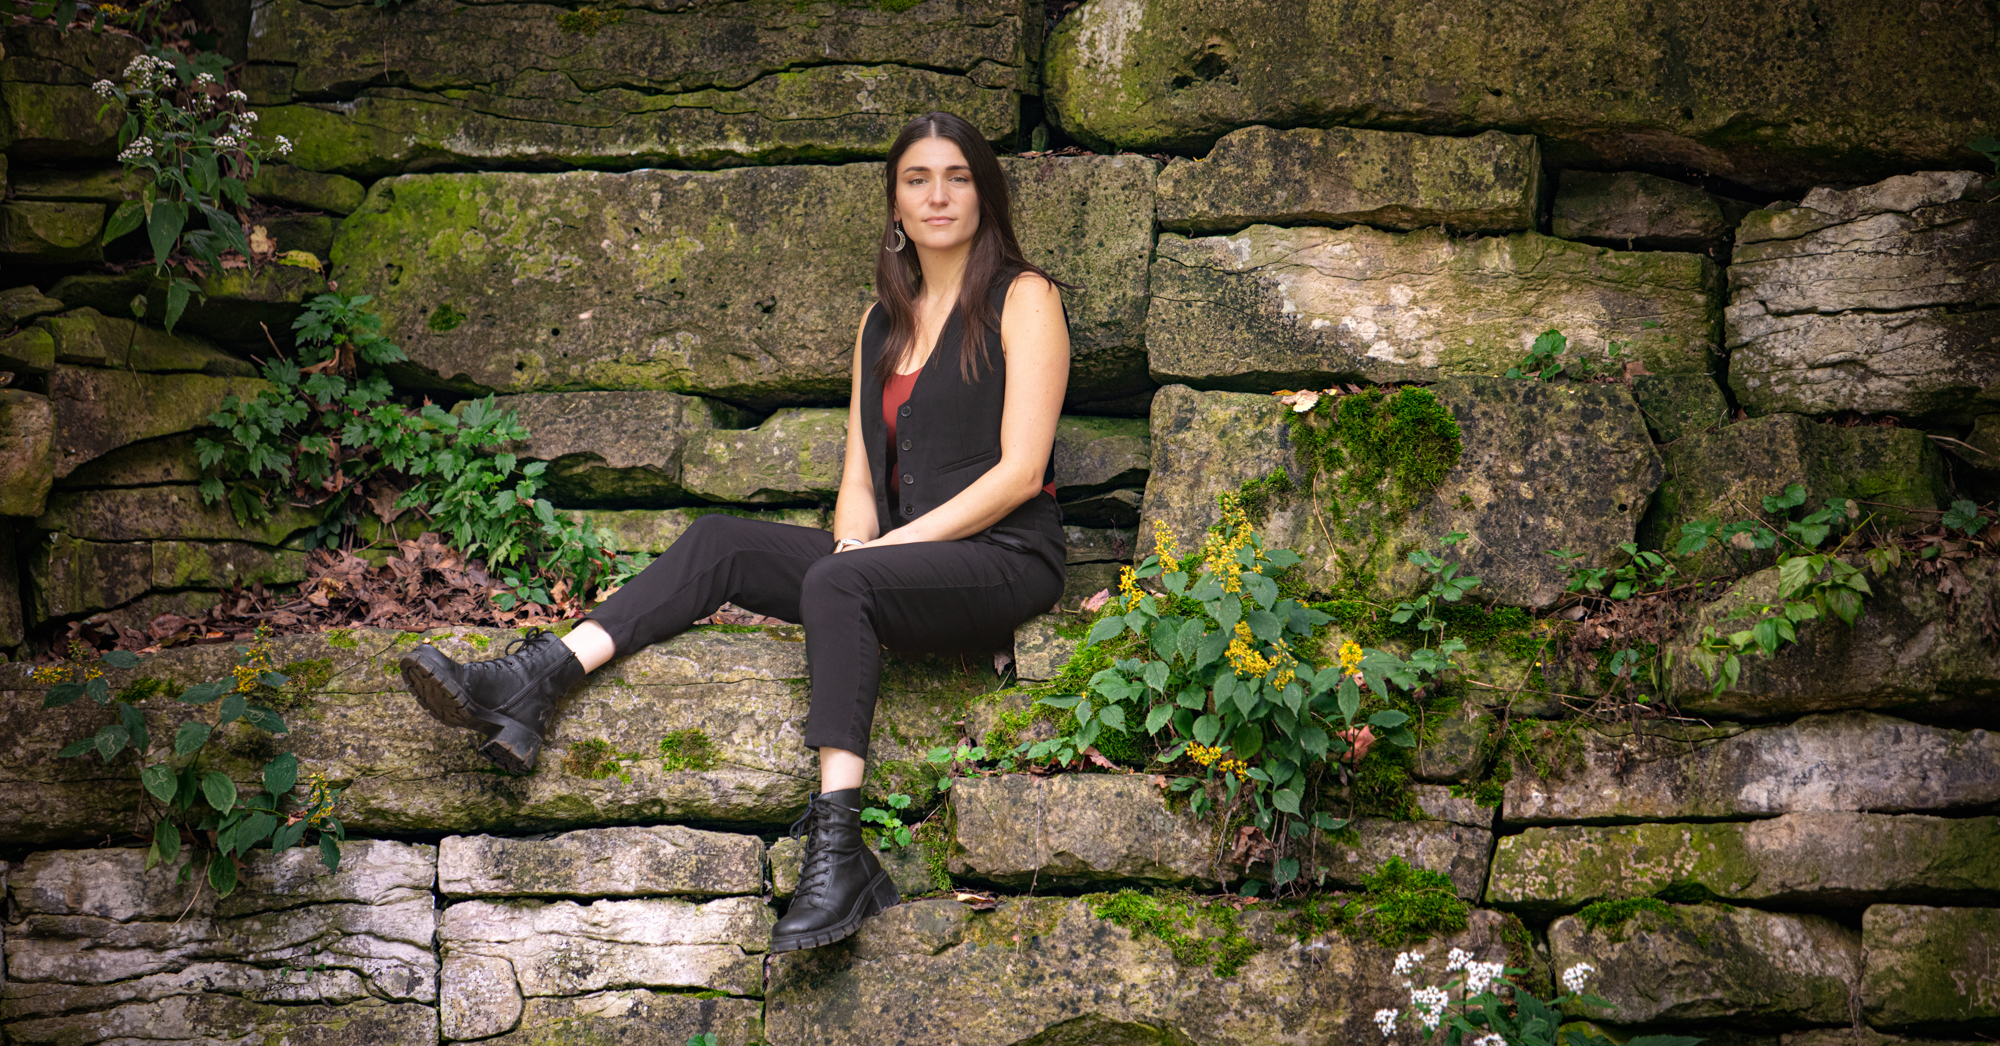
(945, 537)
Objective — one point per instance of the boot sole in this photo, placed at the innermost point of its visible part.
(880, 894)
(509, 745)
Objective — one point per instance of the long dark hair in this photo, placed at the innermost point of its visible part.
(995, 251)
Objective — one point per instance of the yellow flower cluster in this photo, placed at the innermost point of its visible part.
(78, 669)
(1215, 757)
(1168, 549)
(320, 799)
(1250, 663)
(1218, 553)
(1350, 658)
(255, 663)
(1128, 588)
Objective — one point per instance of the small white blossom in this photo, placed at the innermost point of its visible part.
(1429, 1004)
(1576, 977)
(237, 96)
(203, 79)
(147, 73)
(284, 146)
(1386, 1020)
(1489, 1039)
(1480, 976)
(1457, 959)
(1407, 961)
(226, 142)
(247, 117)
(104, 88)
(140, 149)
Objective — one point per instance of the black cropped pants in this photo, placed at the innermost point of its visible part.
(930, 597)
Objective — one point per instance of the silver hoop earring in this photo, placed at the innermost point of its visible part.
(902, 241)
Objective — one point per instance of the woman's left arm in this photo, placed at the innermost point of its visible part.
(1036, 341)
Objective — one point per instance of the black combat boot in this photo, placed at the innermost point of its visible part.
(510, 700)
(841, 884)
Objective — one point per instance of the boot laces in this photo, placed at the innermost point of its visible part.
(514, 650)
(819, 860)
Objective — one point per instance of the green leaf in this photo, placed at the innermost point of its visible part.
(1155, 675)
(1388, 718)
(177, 303)
(1158, 717)
(255, 829)
(219, 790)
(203, 693)
(1964, 517)
(159, 782)
(163, 230)
(1286, 800)
(121, 659)
(1113, 716)
(1105, 628)
(191, 736)
(99, 690)
(62, 694)
(288, 835)
(264, 719)
(167, 840)
(111, 740)
(232, 709)
(281, 774)
(222, 874)
(77, 748)
(1248, 741)
(1206, 728)
(1192, 697)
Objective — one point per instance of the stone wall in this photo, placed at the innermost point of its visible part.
(649, 232)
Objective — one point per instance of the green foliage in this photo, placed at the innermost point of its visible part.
(689, 750)
(198, 142)
(1966, 517)
(706, 1038)
(1406, 440)
(183, 797)
(596, 759)
(1259, 496)
(1485, 1000)
(1544, 360)
(1176, 920)
(1988, 146)
(327, 431)
(1607, 914)
(1446, 587)
(895, 833)
(1405, 904)
(589, 21)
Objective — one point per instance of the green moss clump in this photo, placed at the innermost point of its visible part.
(1383, 785)
(1406, 440)
(477, 641)
(1607, 914)
(342, 639)
(1551, 748)
(1176, 920)
(144, 687)
(444, 317)
(307, 679)
(688, 749)
(1405, 905)
(586, 22)
(1487, 793)
(896, 6)
(1260, 496)
(595, 760)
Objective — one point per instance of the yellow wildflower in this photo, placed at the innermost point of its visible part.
(1203, 754)
(1232, 766)
(1244, 657)
(1128, 587)
(1168, 549)
(1350, 658)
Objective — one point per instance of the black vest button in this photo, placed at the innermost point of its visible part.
(909, 510)
(906, 444)
(903, 411)
(908, 479)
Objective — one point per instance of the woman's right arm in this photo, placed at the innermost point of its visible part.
(854, 509)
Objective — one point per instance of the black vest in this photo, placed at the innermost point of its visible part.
(948, 435)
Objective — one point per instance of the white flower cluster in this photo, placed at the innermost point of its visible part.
(203, 79)
(1576, 977)
(1407, 961)
(1457, 960)
(1429, 1004)
(104, 88)
(284, 146)
(1480, 976)
(1489, 1039)
(1386, 1020)
(148, 73)
(140, 149)
(227, 141)
(237, 96)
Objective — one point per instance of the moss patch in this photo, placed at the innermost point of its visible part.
(1605, 915)
(144, 687)
(595, 760)
(1406, 904)
(342, 639)
(688, 749)
(1177, 921)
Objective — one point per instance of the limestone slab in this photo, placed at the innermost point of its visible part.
(1094, 545)
(1629, 209)
(89, 338)
(1909, 651)
(1866, 300)
(27, 459)
(936, 971)
(603, 862)
(43, 232)
(614, 449)
(406, 773)
(1725, 474)
(1854, 761)
(1490, 182)
(1816, 858)
(1931, 966)
(163, 513)
(1860, 97)
(794, 457)
(1096, 455)
(650, 285)
(18, 305)
(1292, 307)
(1040, 650)
(637, 1018)
(1745, 966)
(98, 411)
(1677, 406)
(202, 1020)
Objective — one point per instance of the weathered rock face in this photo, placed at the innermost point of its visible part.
(636, 1018)
(46, 232)
(1852, 301)
(1629, 209)
(1543, 466)
(1709, 962)
(518, 84)
(1914, 648)
(1930, 966)
(1270, 306)
(1487, 183)
(936, 971)
(236, 306)
(614, 448)
(87, 337)
(168, 513)
(1076, 829)
(603, 862)
(1819, 858)
(1725, 474)
(99, 410)
(1179, 74)
(27, 464)
(72, 577)
(101, 949)
(794, 457)
(1853, 761)
(510, 282)
(603, 763)
(307, 190)
(51, 114)
(1096, 455)
(1677, 406)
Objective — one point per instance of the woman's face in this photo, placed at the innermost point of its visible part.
(935, 199)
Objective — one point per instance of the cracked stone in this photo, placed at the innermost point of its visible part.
(603, 862)
(1931, 966)
(1629, 209)
(615, 449)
